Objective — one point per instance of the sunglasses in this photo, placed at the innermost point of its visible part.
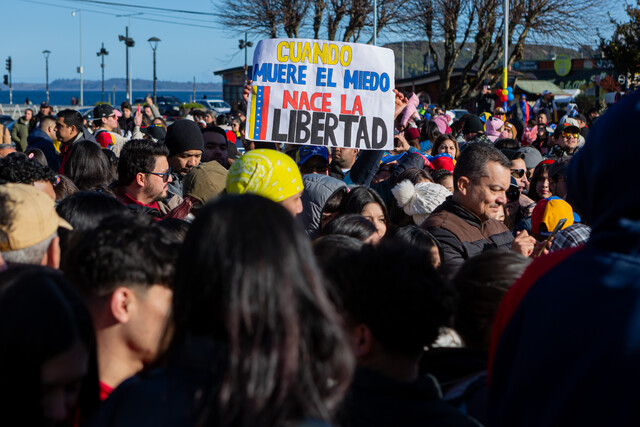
(568, 134)
(312, 169)
(164, 176)
(518, 173)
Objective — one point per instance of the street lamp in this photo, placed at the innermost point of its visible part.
(128, 42)
(80, 69)
(245, 45)
(102, 52)
(153, 42)
(46, 54)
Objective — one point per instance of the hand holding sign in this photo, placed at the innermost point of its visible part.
(322, 93)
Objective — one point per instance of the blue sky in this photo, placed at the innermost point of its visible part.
(186, 51)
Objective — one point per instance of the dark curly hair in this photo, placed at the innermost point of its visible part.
(19, 169)
(124, 250)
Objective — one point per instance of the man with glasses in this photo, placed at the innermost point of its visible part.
(567, 141)
(144, 176)
(313, 159)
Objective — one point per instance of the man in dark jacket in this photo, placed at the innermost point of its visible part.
(69, 130)
(381, 323)
(569, 352)
(42, 139)
(465, 223)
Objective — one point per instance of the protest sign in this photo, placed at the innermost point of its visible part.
(322, 93)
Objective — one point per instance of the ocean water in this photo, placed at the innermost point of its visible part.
(91, 97)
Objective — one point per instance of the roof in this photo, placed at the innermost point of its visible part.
(231, 70)
(536, 87)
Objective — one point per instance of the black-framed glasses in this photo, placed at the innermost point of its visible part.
(518, 173)
(165, 176)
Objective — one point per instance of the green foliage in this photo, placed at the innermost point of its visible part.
(624, 47)
(100, 103)
(585, 102)
(190, 105)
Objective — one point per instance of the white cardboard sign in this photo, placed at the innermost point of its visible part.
(317, 92)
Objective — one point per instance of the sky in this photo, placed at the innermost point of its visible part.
(192, 45)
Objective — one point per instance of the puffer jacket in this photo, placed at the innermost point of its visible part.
(463, 235)
(317, 189)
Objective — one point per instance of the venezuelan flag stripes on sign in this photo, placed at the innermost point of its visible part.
(259, 112)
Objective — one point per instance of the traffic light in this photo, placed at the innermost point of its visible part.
(8, 64)
(6, 80)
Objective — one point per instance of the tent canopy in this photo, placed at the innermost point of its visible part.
(536, 87)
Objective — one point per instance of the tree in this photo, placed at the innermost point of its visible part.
(478, 25)
(623, 49)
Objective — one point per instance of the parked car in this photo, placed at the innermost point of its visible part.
(168, 106)
(217, 105)
(7, 121)
(87, 113)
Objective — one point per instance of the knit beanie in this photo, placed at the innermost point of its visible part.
(472, 124)
(493, 125)
(267, 173)
(418, 201)
(183, 135)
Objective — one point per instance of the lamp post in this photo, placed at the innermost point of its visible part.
(128, 42)
(46, 54)
(245, 45)
(80, 69)
(102, 52)
(153, 42)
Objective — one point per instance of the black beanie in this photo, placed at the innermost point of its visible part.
(473, 124)
(183, 135)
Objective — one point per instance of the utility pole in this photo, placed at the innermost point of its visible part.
(46, 54)
(194, 88)
(128, 42)
(102, 52)
(245, 45)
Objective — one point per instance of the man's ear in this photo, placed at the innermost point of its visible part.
(122, 303)
(141, 179)
(52, 256)
(363, 338)
(462, 185)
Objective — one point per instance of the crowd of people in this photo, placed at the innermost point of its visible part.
(482, 272)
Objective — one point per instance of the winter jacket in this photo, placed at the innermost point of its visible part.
(20, 133)
(317, 189)
(375, 400)
(463, 235)
(569, 353)
(40, 139)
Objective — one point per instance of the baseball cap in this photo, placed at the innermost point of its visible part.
(34, 217)
(545, 92)
(547, 214)
(498, 110)
(102, 110)
(566, 128)
(532, 156)
(156, 132)
(205, 181)
(308, 151)
(44, 105)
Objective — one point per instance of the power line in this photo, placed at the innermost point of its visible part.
(193, 12)
(102, 12)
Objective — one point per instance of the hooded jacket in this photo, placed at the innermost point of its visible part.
(317, 189)
(40, 139)
(569, 354)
